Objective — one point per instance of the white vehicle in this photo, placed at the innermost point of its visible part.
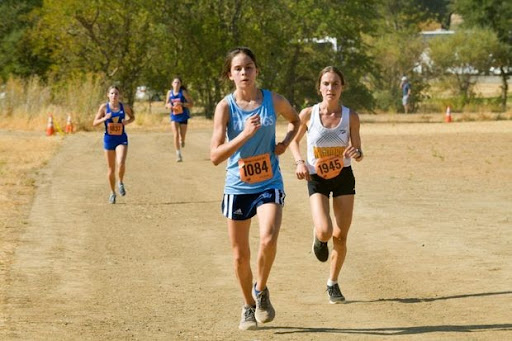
(144, 93)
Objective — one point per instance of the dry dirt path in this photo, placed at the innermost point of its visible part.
(430, 250)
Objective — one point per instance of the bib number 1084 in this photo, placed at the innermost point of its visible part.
(255, 169)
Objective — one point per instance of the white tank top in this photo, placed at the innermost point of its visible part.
(322, 141)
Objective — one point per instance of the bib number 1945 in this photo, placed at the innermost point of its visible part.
(329, 167)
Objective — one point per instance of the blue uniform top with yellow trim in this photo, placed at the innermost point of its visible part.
(182, 114)
(114, 128)
(261, 146)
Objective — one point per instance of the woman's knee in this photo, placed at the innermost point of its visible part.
(324, 231)
(340, 240)
(241, 259)
(268, 241)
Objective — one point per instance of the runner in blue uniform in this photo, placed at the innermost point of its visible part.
(179, 102)
(254, 185)
(115, 116)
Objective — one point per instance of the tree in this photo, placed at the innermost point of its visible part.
(398, 54)
(398, 49)
(150, 41)
(495, 15)
(111, 37)
(16, 55)
(463, 55)
(286, 40)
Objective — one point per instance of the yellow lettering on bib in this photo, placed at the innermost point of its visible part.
(321, 152)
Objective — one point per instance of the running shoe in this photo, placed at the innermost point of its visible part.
(112, 198)
(122, 191)
(335, 295)
(264, 311)
(179, 158)
(320, 249)
(248, 321)
(182, 143)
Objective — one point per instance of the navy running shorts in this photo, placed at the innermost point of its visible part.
(244, 206)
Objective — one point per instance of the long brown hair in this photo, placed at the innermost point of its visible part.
(226, 69)
(326, 70)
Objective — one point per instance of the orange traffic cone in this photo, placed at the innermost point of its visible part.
(448, 116)
(49, 128)
(69, 126)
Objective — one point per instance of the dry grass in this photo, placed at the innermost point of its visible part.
(22, 155)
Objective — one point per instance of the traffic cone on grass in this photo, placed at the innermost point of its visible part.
(49, 127)
(448, 116)
(69, 126)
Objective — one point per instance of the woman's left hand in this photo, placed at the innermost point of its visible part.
(353, 152)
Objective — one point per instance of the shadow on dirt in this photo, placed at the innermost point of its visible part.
(442, 298)
(405, 330)
(396, 330)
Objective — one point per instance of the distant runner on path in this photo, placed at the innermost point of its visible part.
(179, 102)
(115, 141)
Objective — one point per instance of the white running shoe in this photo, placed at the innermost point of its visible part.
(122, 191)
(248, 321)
(264, 310)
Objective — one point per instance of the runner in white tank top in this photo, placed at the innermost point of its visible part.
(322, 141)
(332, 140)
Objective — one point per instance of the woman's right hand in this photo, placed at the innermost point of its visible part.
(302, 171)
(252, 124)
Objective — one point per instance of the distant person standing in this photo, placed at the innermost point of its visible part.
(406, 93)
(244, 134)
(179, 102)
(113, 115)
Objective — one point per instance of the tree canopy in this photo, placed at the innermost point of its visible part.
(148, 42)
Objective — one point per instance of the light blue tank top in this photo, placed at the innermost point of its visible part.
(262, 142)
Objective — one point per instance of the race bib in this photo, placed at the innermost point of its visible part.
(329, 167)
(115, 128)
(177, 108)
(255, 169)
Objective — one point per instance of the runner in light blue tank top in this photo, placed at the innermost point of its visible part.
(262, 143)
(244, 135)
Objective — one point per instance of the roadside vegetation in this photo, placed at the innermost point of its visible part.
(59, 57)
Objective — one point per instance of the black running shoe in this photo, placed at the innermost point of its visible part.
(335, 295)
(320, 249)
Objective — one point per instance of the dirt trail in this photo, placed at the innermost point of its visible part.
(430, 251)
